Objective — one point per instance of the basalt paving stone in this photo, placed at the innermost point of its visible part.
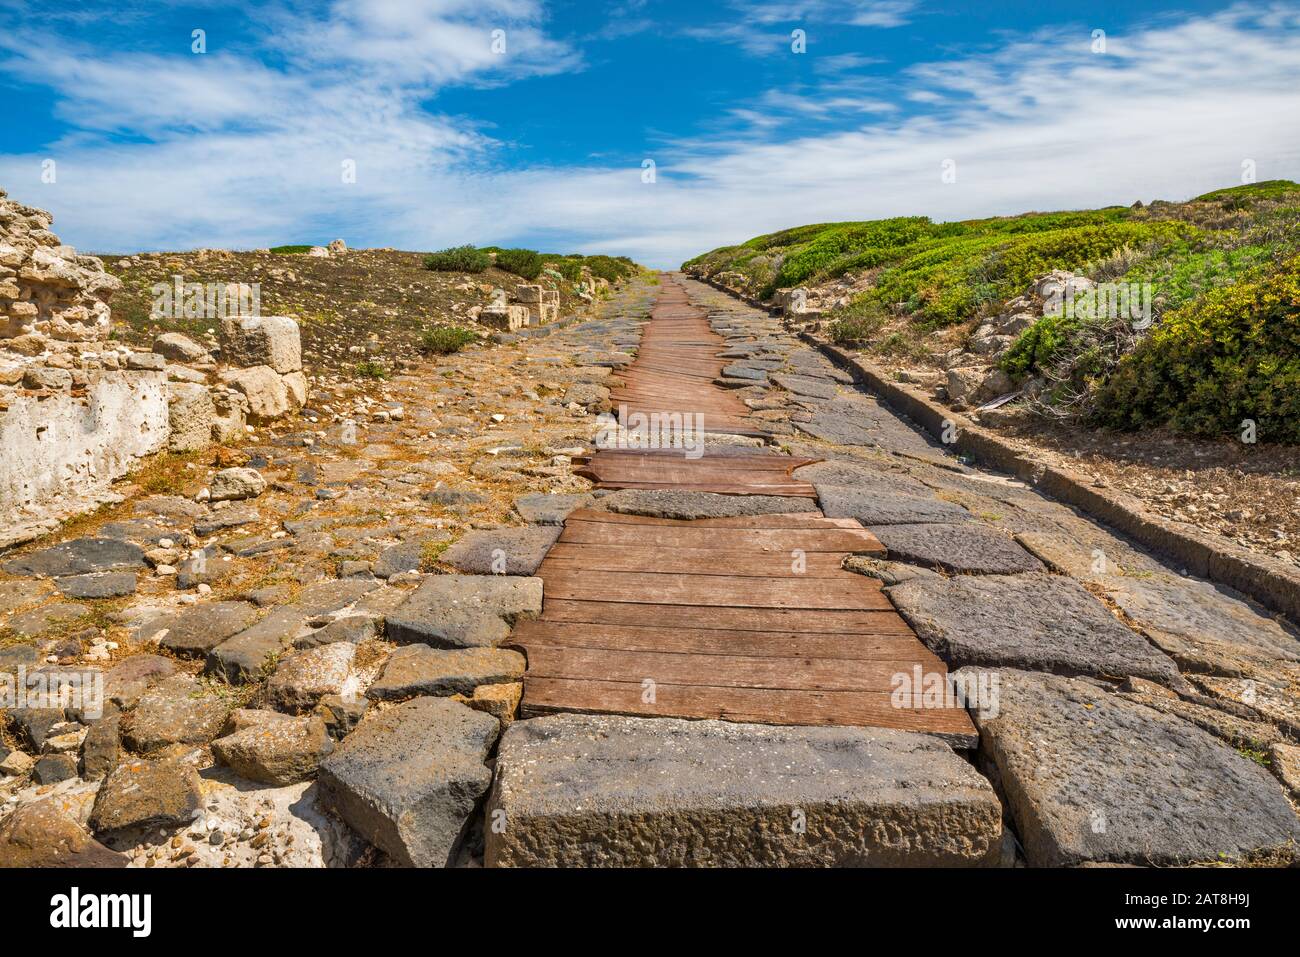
(1091, 777)
(46, 834)
(34, 623)
(464, 611)
(1094, 556)
(860, 421)
(103, 585)
(243, 657)
(1206, 628)
(1030, 622)
(177, 710)
(139, 530)
(738, 371)
(505, 551)
(877, 507)
(142, 794)
(803, 385)
(542, 508)
(226, 518)
(405, 556)
(848, 474)
(21, 594)
(671, 503)
(415, 670)
(966, 549)
(196, 630)
(324, 598)
(837, 427)
(77, 557)
(609, 791)
(409, 778)
(11, 656)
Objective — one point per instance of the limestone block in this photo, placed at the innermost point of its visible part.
(272, 341)
(190, 414)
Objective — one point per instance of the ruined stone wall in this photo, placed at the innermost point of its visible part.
(46, 288)
(76, 411)
(63, 446)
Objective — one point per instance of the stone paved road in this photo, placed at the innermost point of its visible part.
(343, 617)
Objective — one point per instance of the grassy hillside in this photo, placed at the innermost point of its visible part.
(1221, 266)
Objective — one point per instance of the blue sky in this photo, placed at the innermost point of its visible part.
(156, 146)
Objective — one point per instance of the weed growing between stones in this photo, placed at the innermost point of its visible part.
(444, 340)
(369, 369)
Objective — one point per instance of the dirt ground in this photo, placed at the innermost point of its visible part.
(370, 305)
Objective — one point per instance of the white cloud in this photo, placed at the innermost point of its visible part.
(1042, 123)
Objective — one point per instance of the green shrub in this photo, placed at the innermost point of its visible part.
(569, 269)
(525, 263)
(859, 322)
(954, 280)
(289, 250)
(370, 369)
(611, 268)
(444, 340)
(458, 259)
(1233, 354)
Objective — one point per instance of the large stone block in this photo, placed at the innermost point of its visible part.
(508, 318)
(190, 414)
(416, 670)
(276, 752)
(409, 779)
(267, 393)
(1032, 622)
(62, 449)
(1090, 776)
(465, 611)
(596, 790)
(262, 341)
(46, 834)
(503, 551)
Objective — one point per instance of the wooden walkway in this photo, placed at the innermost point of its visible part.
(744, 619)
(675, 368)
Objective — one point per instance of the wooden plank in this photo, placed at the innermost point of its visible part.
(890, 638)
(758, 539)
(733, 591)
(773, 520)
(733, 488)
(695, 561)
(722, 671)
(761, 463)
(857, 621)
(758, 705)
